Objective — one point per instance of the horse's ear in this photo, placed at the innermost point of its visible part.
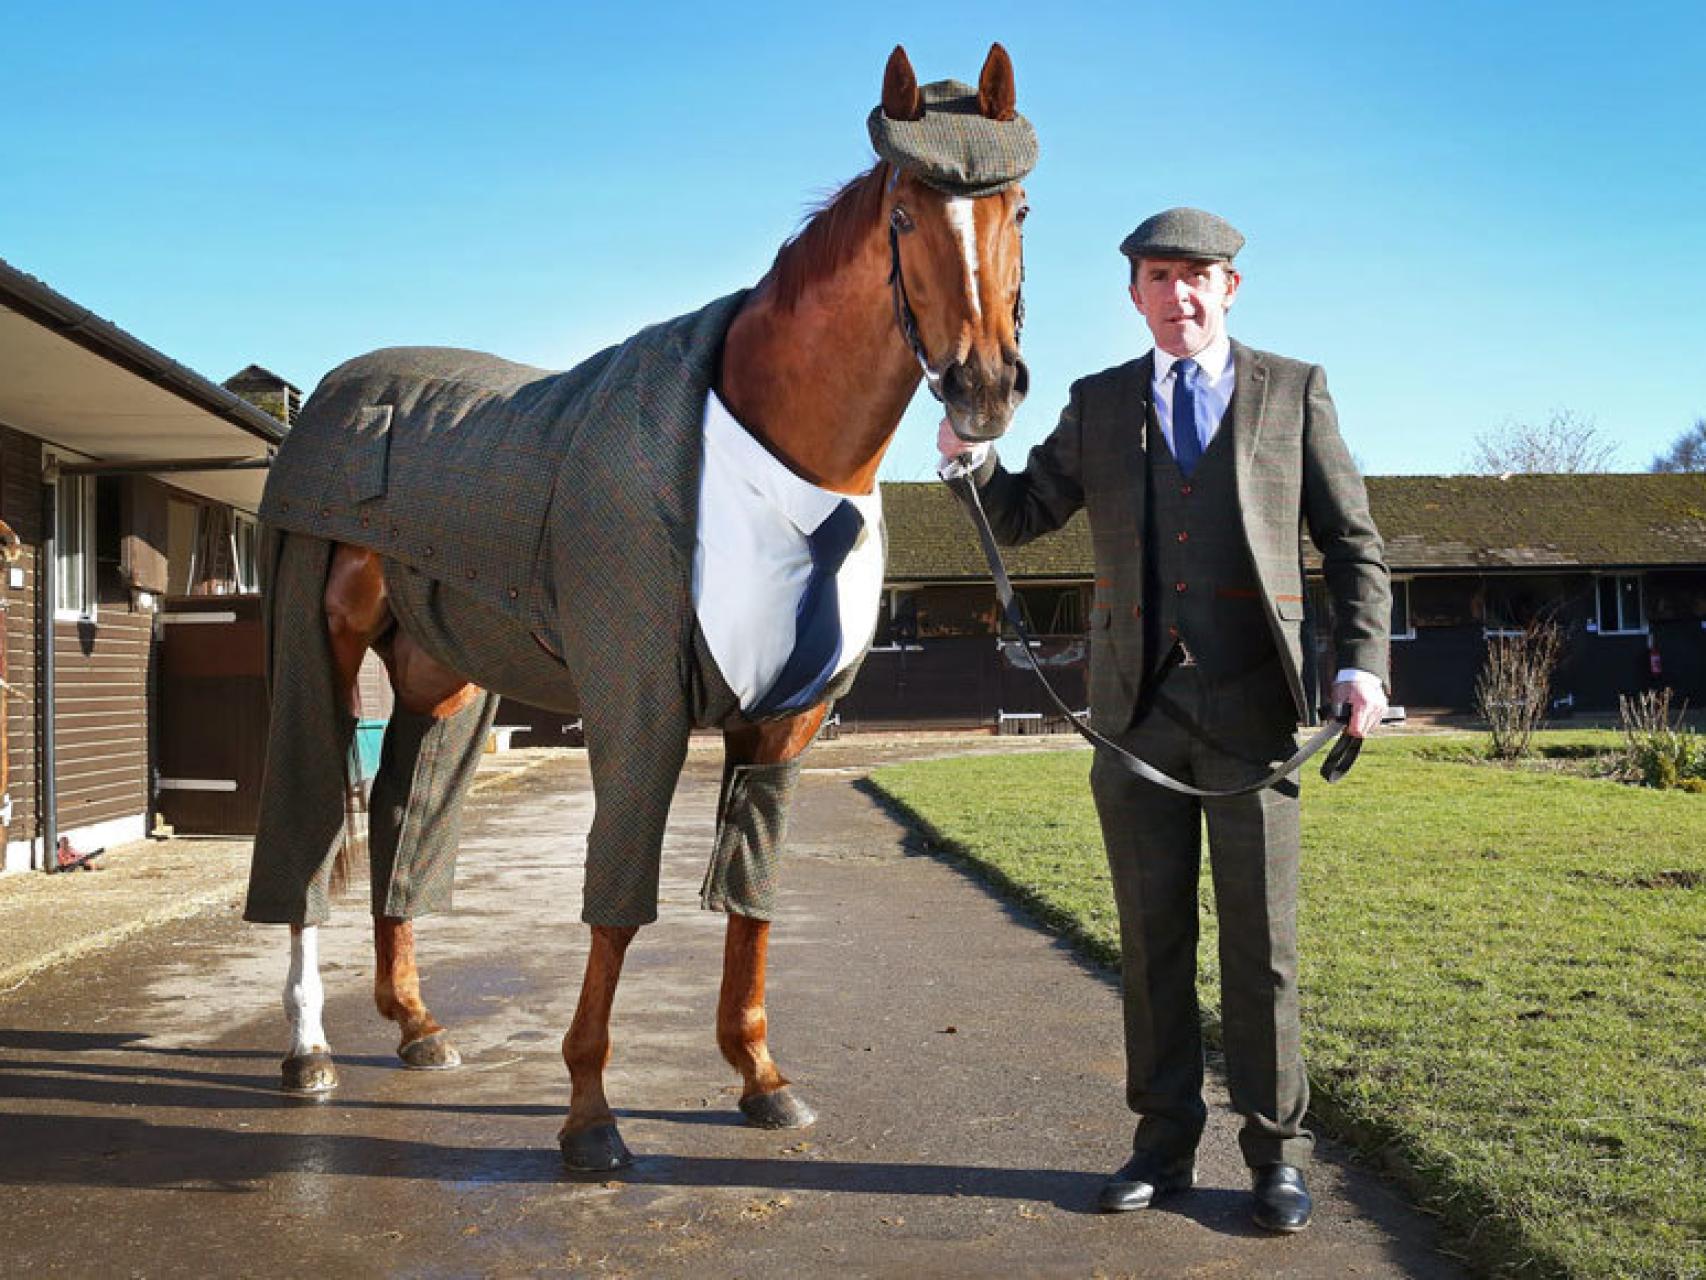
(901, 99)
(995, 92)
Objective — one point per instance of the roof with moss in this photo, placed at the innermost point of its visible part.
(1476, 523)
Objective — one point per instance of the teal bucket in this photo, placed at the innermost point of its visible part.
(369, 737)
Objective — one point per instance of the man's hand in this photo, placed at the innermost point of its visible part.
(1367, 698)
(958, 457)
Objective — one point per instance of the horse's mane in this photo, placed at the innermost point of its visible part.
(830, 236)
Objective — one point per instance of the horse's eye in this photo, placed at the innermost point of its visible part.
(900, 219)
(1023, 213)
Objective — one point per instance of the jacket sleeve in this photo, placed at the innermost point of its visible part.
(1335, 507)
(1047, 493)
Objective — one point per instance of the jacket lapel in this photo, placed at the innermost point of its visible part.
(1134, 430)
(1244, 420)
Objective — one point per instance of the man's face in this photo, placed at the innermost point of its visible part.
(1184, 302)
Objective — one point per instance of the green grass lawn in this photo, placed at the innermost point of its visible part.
(1504, 978)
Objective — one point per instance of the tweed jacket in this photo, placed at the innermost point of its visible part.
(1292, 472)
(516, 485)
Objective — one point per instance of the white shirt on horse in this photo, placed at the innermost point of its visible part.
(751, 559)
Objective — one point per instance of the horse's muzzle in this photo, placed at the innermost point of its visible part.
(981, 399)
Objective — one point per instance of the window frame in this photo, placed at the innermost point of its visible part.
(69, 491)
(1599, 579)
(891, 604)
(245, 551)
(1409, 631)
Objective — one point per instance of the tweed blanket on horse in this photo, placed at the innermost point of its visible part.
(563, 505)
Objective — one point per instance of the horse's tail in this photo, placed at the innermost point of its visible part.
(353, 845)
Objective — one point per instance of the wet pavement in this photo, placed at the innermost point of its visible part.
(965, 1066)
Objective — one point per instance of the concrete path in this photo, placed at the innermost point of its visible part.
(966, 1068)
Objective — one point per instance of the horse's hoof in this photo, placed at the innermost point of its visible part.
(309, 1074)
(430, 1053)
(779, 1109)
(595, 1150)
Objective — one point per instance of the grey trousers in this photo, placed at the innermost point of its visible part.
(426, 766)
(1214, 735)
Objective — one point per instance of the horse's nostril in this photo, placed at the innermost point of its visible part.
(954, 382)
(1021, 379)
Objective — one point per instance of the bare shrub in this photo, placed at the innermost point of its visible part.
(1511, 691)
(1657, 750)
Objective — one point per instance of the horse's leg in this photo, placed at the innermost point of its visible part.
(767, 1100)
(308, 1068)
(355, 613)
(589, 1138)
(425, 1045)
(428, 696)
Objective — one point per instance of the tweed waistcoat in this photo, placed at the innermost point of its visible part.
(1199, 583)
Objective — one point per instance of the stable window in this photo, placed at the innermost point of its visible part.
(74, 547)
(1507, 610)
(1402, 628)
(1620, 606)
(897, 620)
(245, 535)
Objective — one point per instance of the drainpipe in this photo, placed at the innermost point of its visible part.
(48, 578)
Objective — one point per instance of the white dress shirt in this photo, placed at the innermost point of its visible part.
(1214, 388)
(751, 559)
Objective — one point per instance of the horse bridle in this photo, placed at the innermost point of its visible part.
(908, 322)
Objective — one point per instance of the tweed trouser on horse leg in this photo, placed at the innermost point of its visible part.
(1215, 736)
(425, 768)
(415, 813)
(752, 827)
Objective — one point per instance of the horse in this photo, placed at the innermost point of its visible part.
(890, 282)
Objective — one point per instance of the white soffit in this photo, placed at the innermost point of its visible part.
(67, 395)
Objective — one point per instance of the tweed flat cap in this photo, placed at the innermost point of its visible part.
(1184, 233)
(954, 147)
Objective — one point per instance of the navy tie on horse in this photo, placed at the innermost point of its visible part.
(817, 622)
(1187, 441)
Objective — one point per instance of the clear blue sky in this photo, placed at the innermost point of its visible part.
(1469, 213)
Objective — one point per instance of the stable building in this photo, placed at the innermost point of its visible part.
(131, 483)
(1617, 561)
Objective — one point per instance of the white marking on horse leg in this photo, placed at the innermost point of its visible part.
(962, 216)
(304, 996)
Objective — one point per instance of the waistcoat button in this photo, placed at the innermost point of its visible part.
(1179, 587)
(1183, 536)
(1185, 489)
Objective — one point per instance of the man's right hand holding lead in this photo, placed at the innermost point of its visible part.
(958, 457)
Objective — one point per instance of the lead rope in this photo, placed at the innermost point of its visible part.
(1339, 759)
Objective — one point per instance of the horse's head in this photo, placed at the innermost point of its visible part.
(958, 260)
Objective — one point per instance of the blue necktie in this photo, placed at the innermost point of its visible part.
(1187, 442)
(817, 622)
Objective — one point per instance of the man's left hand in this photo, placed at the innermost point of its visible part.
(1367, 699)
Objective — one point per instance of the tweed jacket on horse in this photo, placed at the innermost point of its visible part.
(565, 504)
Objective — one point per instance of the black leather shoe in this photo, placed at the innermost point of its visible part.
(1282, 1200)
(1136, 1183)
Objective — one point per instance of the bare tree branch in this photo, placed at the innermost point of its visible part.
(1563, 444)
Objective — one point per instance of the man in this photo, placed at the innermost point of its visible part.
(1196, 464)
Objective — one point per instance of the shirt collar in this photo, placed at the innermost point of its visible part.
(803, 504)
(1214, 360)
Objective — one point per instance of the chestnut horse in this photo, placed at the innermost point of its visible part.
(890, 280)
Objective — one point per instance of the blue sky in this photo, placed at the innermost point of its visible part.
(1470, 214)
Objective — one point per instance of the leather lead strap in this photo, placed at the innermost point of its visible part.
(1339, 759)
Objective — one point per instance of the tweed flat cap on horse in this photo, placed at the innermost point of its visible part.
(1184, 233)
(953, 146)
